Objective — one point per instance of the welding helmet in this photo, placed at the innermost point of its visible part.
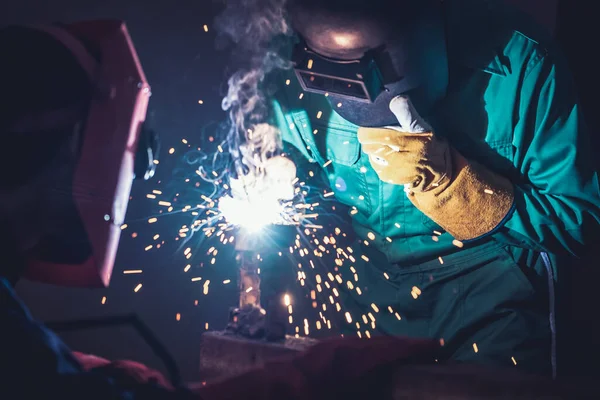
(363, 53)
(74, 138)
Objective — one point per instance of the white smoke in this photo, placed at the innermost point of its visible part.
(264, 181)
(253, 27)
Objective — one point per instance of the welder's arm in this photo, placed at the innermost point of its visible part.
(292, 141)
(35, 363)
(554, 206)
(558, 209)
(295, 147)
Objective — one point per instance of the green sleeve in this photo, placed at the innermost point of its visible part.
(557, 206)
(289, 134)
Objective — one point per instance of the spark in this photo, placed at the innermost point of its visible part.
(103, 300)
(132, 271)
(475, 349)
(415, 292)
(258, 201)
(348, 317)
(137, 288)
(261, 201)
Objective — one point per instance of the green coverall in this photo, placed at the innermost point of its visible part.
(511, 107)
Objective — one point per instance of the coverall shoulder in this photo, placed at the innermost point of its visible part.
(510, 106)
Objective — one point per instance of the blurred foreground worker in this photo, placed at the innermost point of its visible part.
(72, 113)
(453, 132)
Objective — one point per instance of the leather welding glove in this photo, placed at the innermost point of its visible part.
(463, 197)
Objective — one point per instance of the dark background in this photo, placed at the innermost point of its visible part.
(182, 65)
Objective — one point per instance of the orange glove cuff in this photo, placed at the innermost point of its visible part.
(470, 205)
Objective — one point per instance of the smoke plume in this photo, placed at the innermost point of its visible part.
(257, 33)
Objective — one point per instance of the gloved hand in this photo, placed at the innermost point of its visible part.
(409, 154)
(463, 197)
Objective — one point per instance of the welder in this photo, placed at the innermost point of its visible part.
(452, 131)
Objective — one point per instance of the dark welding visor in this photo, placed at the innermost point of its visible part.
(359, 80)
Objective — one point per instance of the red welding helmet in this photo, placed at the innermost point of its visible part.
(93, 150)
